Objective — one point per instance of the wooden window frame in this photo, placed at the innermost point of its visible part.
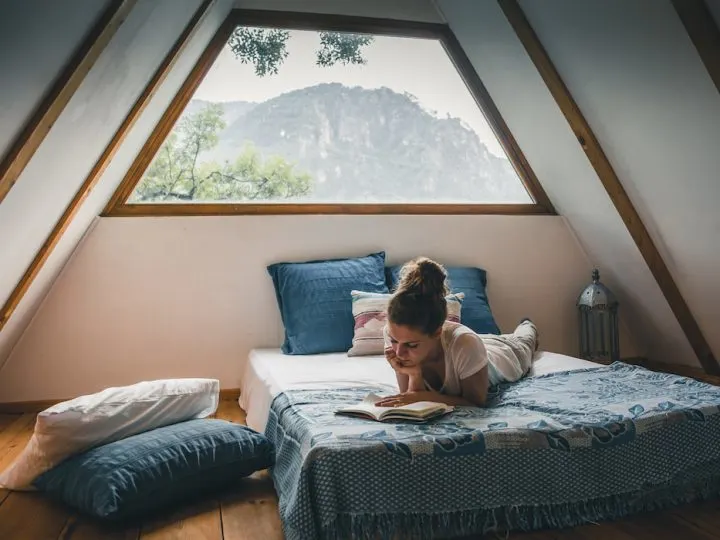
(118, 207)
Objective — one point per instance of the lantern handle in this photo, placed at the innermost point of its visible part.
(595, 275)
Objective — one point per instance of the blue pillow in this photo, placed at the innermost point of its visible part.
(315, 302)
(476, 313)
(153, 470)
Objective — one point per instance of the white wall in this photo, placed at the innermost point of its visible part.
(62, 163)
(164, 297)
(34, 48)
(642, 88)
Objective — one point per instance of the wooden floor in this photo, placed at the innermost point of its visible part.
(250, 511)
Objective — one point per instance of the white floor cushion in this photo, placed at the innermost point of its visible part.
(88, 421)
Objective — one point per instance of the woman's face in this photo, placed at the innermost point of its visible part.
(411, 346)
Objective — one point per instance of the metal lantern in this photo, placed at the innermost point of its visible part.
(598, 318)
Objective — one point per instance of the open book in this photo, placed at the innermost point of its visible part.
(420, 411)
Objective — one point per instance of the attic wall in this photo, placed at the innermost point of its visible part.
(637, 76)
(61, 164)
(714, 6)
(34, 48)
(173, 297)
(640, 84)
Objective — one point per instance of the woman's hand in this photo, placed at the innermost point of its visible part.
(405, 368)
(407, 398)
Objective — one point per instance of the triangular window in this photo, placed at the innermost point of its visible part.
(329, 117)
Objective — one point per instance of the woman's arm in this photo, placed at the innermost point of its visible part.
(470, 362)
(403, 381)
(409, 378)
(473, 393)
(474, 388)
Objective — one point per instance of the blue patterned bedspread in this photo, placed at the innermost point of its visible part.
(550, 451)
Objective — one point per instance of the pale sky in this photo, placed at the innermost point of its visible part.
(417, 66)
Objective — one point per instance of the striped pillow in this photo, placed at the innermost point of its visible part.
(370, 313)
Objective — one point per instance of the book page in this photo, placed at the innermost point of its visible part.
(422, 407)
(417, 409)
(367, 405)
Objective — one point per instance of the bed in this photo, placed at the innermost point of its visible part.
(573, 442)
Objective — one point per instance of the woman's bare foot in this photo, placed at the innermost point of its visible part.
(528, 319)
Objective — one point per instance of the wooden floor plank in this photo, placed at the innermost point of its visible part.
(81, 528)
(14, 438)
(6, 420)
(12, 441)
(660, 525)
(701, 518)
(30, 515)
(199, 521)
(600, 531)
(230, 410)
(251, 520)
(250, 510)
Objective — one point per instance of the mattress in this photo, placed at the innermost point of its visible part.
(269, 372)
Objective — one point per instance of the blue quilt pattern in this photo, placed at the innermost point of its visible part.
(549, 451)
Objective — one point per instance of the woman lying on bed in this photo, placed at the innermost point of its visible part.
(443, 361)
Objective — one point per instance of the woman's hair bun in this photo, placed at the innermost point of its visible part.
(423, 276)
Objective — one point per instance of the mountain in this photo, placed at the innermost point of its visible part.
(368, 145)
(232, 110)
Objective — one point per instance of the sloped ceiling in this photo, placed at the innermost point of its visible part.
(628, 63)
(635, 73)
(20, 93)
(43, 191)
(714, 6)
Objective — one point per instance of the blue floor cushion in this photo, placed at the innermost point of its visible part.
(138, 475)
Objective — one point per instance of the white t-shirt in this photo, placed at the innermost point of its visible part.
(465, 355)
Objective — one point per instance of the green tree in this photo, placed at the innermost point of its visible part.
(342, 47)
(177, 173)
(266, 48)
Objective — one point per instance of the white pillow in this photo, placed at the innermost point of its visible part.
(85, 422)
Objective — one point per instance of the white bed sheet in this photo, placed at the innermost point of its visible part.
(269, 372)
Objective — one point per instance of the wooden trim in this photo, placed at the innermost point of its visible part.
(298, 20)
(117, 206)
(220, 209)
(605, 172)
(96, 173)
(59, 94)
(23, 407)
(704, 33)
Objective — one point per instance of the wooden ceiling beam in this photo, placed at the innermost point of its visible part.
(36, 129)
(106, 157)
(605, 172)
(704, 33)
